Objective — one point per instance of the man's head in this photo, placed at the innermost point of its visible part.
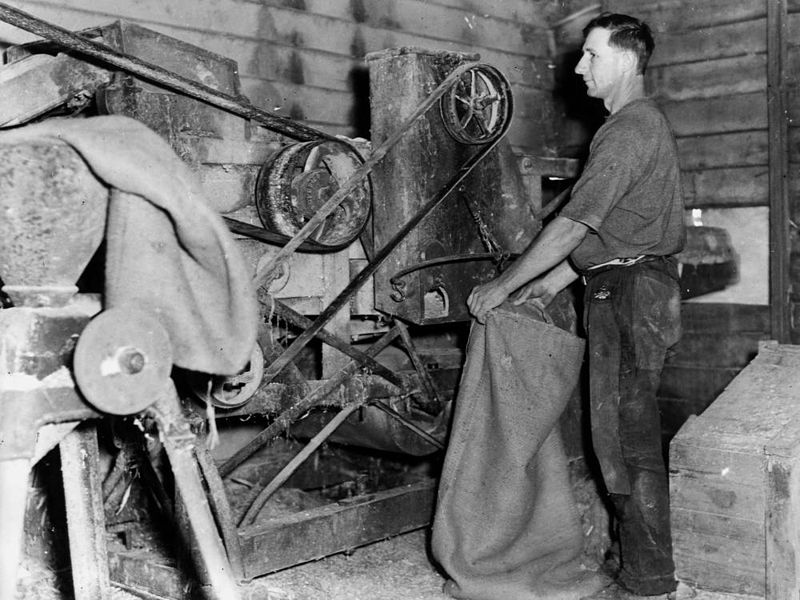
(627, 33)
(615, 48)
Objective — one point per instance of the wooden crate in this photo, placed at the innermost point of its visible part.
(734, 483)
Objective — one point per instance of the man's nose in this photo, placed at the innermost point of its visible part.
(580, 68)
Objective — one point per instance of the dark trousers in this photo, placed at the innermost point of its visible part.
(632, 316)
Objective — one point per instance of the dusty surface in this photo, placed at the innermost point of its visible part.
(395, 569)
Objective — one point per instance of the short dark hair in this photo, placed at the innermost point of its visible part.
(627, 33)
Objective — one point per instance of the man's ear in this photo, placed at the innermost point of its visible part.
(630, 61)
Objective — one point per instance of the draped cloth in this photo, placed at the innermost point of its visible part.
(167, 250)
(506, 525)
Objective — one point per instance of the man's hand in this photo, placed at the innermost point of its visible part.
(546, 254)
(484, 298)
(535, 290)
(544, 289)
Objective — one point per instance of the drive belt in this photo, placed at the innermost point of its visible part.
(82, 44)
(265, 274)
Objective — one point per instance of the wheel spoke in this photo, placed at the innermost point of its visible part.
(480, 122)
(467, 118)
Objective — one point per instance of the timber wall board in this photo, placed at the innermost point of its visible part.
(305, 58)
(709, 73)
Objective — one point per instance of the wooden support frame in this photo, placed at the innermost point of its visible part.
(778, 132)
(86, 522)
(284, 541)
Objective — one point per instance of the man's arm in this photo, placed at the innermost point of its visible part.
(552, 246)
(545, 288)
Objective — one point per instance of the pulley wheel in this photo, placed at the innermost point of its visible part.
(477, 106)
(298, 180)
(235, 390)
(123, 360)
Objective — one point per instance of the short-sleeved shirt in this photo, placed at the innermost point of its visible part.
(629, 194)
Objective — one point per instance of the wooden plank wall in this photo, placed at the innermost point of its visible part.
(709, 72)
(305, 58)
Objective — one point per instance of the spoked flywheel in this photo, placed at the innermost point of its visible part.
(476, 108)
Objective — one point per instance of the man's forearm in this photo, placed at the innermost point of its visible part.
(550, 248)
(553, 245)
(560, 276)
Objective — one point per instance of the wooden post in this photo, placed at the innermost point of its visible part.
(86, 522)
(782, 537)
(14, 473)
(778, 170)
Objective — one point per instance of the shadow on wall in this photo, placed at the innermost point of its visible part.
(582, 115)
(360, 112)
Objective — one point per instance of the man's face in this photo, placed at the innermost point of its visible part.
(601, 65)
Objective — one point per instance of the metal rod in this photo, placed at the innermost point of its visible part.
(159, 75)
(264, 274)
(294, 464)
(424, 375)
(555, 203)
(442, 260)
(298, 320)
(221, 509)
(290, 415)
(271, 237)
(405, 422)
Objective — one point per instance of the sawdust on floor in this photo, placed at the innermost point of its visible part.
(393, 569)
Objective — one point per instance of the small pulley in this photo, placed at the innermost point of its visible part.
(298, 180)
(477, 107)
(123, 361)
(232, 391)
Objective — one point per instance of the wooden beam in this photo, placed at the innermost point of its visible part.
(709, 78)
(83, 496)
(779, 242)
(37, 84)
(726, 187)
(315, 533)
(716, 40)
(717, 114)
(137, 572)
(738, 149)
(678, 15)
(288, 540)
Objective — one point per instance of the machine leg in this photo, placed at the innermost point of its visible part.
(14, 475)
(83, 495)
(179, 443)
(221, 509)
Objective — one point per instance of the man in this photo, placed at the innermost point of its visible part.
(620, 230)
